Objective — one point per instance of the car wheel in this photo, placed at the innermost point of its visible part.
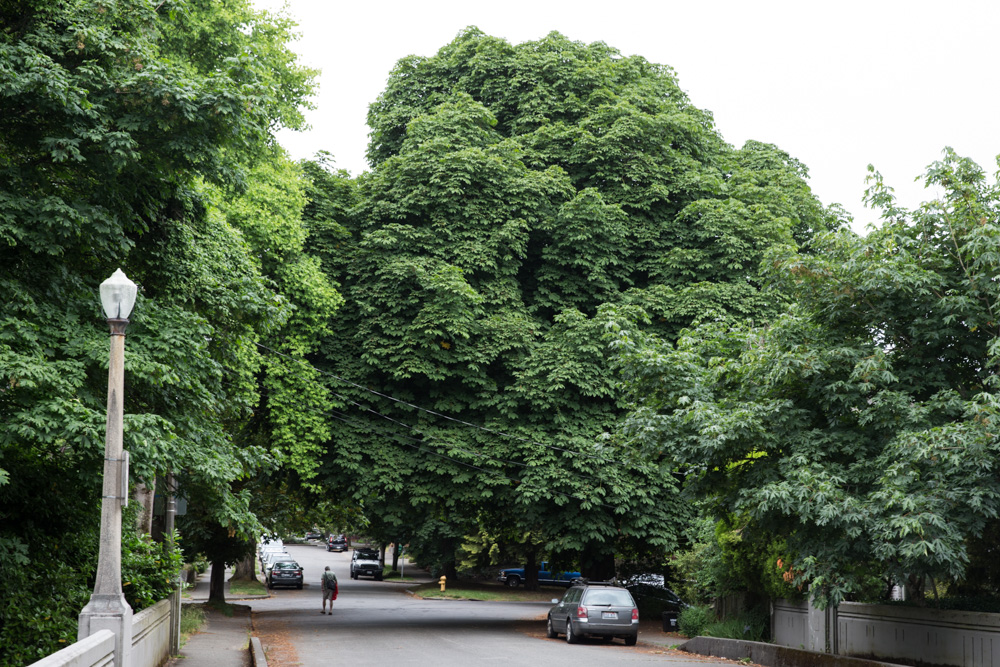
(571, 638)
(378, 577)
(299, 587)
(631, 640)
(354, 575)
(514, 581)
(550, 631)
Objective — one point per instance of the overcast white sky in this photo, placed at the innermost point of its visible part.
(838, 85)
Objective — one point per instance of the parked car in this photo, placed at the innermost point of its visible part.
(268, 552)
(314, 535)
(365, 562)
(652, 592)
(594, 608)
(272, 558)
(337, 543)
(285, 573)
(514, 576)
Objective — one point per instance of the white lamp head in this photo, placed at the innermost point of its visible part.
(118, 296)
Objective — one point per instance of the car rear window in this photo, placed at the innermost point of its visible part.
(286, 566)
(612, 596)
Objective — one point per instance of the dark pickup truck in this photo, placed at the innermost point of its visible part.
(514, 576)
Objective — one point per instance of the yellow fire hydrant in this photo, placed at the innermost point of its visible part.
(441, 581)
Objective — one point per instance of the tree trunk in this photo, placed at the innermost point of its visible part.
(381, 555)
(246, 569)
(143, 496)
(531, 570)
(217, 585)
(395, 557)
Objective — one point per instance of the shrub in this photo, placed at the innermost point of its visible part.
(693, 620)
(751, 625)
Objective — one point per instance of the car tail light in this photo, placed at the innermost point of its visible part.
(635, 614)
(581, 612)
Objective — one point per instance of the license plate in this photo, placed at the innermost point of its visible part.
(609, 614)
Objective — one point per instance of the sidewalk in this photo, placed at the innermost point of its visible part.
(224, 641)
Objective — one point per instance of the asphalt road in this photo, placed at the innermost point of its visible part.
(379, 623)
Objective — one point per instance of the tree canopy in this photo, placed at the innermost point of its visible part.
(861, 424)
(516, 189)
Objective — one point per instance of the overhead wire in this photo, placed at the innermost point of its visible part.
(346, 419)
(410, 427)
(440, 414)
(343, 417)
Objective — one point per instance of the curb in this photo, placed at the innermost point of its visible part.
(257, 653)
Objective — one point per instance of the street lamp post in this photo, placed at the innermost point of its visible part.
(107, 608)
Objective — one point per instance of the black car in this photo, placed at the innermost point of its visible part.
(594, 608)
(337, 543)
(651, 591)
(285, 573)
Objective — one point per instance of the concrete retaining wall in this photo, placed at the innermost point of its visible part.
(889, 632)
(772, 655)
(789, 623)
(933, 636)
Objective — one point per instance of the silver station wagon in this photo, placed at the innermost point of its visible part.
(594, 608)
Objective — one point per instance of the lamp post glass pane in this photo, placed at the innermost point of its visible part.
(118, 296)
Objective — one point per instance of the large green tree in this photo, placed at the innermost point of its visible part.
(127, 132)
(861, 425)
(516, 189)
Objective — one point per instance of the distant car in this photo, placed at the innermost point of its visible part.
(337, 543)
(365, 562)
(514, 576)
(594, 608)
(314, 535)
(285, 573)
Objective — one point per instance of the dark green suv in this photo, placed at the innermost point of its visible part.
(595, 608)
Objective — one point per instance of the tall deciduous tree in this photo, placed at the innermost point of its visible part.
(515, 190)
(122, 122)
(862, 424)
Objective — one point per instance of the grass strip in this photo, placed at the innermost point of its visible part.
(482, 591)
(243, 587)
(192, 618)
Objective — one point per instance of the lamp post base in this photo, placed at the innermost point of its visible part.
(109, 612)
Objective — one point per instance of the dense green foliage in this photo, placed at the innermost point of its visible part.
(128, 133)
(515, 190)
(861, 425)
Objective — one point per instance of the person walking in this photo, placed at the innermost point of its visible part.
(328, 585)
